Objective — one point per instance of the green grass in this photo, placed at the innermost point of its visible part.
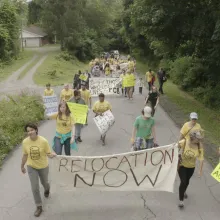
(7, 69)
(208, 118)
(58, 71)
(30, 66)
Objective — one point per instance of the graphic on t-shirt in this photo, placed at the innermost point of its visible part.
(189, 155)
(35, 153)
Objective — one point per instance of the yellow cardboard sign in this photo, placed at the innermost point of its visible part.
(79, 112)
(216, 173)
(83, 77)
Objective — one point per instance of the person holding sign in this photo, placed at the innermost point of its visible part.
(99, 108)
(66, 94)
(143, 134)
(192, 149)
(65, 129)
(36, 151)
(78, 127)
(85, 94)
(48, 91)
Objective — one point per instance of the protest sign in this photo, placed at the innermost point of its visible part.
(51, 104)
(79, 112)
(148, 170)
(216, 173)
(108, 86)
(105, 122)
(124, 66)
(83, 77)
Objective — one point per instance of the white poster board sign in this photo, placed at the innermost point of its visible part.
(105, 122)
(108, 86)
(51, 104)
(148, 170)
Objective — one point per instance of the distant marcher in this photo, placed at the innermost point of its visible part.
(78, 127)
(192, 149)
(65, 129)
(66, 94)
(99, 108)
(36, 151)
(130, 89)
(76, 81)
(153, 98)
(140, 85)
(161, 75)
(123, 88)
(48, 91)
(150, 78)
(143, 134)
(192, 125)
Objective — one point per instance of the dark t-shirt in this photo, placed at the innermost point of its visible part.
(153, 96)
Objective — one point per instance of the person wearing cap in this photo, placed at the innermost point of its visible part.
(66, 94)
(143, 134)
(192, 149)
(192, 125)
(99, 108)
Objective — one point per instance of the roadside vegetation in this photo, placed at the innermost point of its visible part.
(15, 112)
(58, 68)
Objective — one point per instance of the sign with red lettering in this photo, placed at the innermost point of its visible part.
(148, 170)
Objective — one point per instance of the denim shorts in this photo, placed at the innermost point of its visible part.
(141, 143)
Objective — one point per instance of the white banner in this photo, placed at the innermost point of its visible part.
(105, 122)
(148, 170)
(51, 104)
(108, 86)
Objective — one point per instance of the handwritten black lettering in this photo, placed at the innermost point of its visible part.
(106, 163)
(72, 165)
(170, 157)
(63, 164)
(162, 156)
(102, 164)
(124, 160)
(78, 176)
(135, 156)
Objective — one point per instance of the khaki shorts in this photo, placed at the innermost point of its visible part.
(129, 88)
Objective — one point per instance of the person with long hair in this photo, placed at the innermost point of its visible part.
(192, 149)
(36, 151)
(65, 129)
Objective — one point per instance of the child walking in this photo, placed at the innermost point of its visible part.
(140, 84)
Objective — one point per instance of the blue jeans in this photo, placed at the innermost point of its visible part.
(141, 143)
(58, 147)
(78, 128)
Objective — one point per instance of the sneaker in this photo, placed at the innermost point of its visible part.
(47, 193)
(185, 196)
(38, 211)
(181, 204)
(79, 139)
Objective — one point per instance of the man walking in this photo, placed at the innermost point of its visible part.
(161, 75)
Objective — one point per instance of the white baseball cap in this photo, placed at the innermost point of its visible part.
(147, 112)
(193, 115)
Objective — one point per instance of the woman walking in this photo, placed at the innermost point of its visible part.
(192, 149)
(143, 134)
(36, 151)
(65, 129)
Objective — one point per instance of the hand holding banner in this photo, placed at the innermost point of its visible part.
(79, 112)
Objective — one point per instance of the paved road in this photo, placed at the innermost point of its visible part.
(16, 202)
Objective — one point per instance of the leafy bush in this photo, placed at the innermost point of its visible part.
(16, 111)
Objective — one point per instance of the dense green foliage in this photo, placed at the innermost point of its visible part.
(183, 37)
(15, 112)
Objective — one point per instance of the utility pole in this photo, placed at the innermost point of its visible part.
(22, 41)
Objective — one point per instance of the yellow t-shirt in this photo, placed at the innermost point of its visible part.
(49, 92)
(149, 76)
(130, 80)
(107, 71)
(37, 152)
(63, 125)
(66, 94)
(190, 154)
(85, 94)
(101, 106)
(186, 127)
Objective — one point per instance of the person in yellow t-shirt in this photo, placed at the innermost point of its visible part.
(66, 94)
(99, 108)
(192, 125)
(107, 69)
(130, 79)
(192, 149)
(150, 77)
(123, 88)
(65, 129)
(36, 151)
(48, 91)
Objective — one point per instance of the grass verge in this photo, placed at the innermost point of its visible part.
(57, 71)
(178, 104)
(7, 69)
(15, 112)
(31, 65)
